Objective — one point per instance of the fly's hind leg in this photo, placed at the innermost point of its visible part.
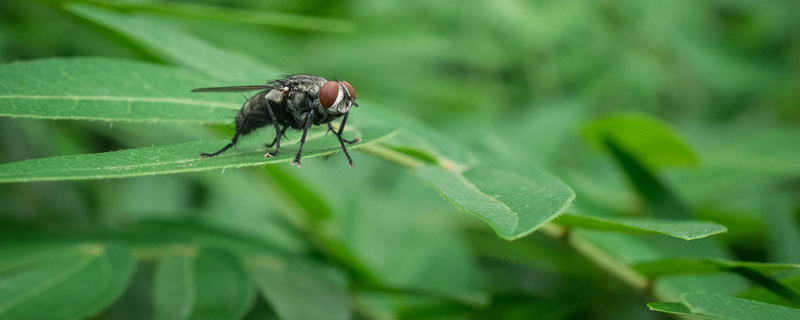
(226, 147)
(235, 138)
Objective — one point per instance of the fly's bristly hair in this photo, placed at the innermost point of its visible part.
(295, 101)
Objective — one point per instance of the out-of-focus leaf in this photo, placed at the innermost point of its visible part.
(223, 288)
(172, 159)
(684, 266)
(662, 202)
(784, 231)
(313, 206)
(717, 306)
(196, 285)
(110, 90)
(773, 151)
(406, 241)
(57, 281)
(232, 15)
(301, 290)
(169, 42)
(174, 285)
(651, 141)
(513, 203)
(765, 295)
(753, 271)
(687, 230)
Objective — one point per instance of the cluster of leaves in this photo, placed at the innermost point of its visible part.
(223, 241)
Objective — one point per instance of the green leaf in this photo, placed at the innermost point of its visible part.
(174, 287)
(765, 295)
(773, 151)
(655, 143)
(754, 271)
(717, 306)
(57, 281)
(224, 290)
(313, 207)
(301, 290)
(175, 158)
(669, 307)
(111, 90)
(195, 285)
(513, 203)
(687, 230)
(169, 42)
(687, 266)
(196, 53)
(661, 201)
(232, 15)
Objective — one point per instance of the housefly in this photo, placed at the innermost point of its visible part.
(294, 102)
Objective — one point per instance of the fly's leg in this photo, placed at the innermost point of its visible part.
(343, 140)
(278, 132)
(226, 147)
(296, 161)
(341, 129)
(229, 145)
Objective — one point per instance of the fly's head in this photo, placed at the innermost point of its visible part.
(337, 97)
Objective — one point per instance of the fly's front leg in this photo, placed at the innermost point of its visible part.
(296, 161)
(278, 132)
(341, 129)
(342, 140)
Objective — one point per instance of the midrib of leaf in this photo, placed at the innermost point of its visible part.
(61, 277)
(204, 103)
(459, 175)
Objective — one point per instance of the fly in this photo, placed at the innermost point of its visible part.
(294, 102)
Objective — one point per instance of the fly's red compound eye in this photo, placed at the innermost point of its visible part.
(350, 89)
(328, 94)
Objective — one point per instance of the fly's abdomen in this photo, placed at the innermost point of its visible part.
(253, 114)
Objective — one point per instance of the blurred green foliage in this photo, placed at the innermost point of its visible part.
(647, 110)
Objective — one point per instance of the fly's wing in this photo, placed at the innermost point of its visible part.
(233, 89)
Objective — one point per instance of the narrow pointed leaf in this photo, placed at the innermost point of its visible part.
(513, 203)
(174, 158)
(111, 90)
(683, 229)
(72, 281)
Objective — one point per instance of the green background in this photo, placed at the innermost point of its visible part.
(519, 160)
